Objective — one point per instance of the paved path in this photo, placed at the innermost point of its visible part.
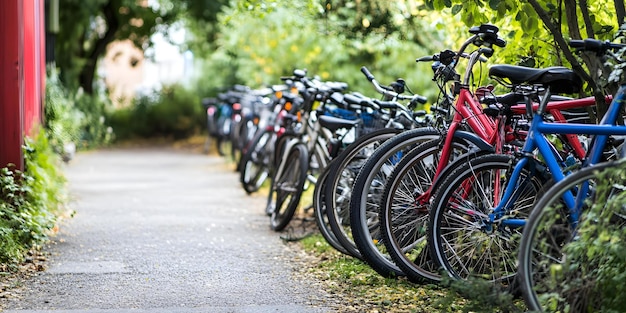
(165, 231)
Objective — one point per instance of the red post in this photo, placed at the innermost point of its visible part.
(33, 55)
(22, 75)
(11, 114)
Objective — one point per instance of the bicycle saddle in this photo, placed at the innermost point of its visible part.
(335, 123)
(559, 79)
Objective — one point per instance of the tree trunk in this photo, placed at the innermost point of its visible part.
(88, 71)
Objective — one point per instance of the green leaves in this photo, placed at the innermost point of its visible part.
(29, 200)
(495, 4)
(456, 9)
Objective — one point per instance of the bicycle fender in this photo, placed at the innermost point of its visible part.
(480, 143)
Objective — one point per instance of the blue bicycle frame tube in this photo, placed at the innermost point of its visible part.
(536, 139)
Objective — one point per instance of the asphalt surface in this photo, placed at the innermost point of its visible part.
(161, 230)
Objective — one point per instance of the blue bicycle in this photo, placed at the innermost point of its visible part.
(567, 257)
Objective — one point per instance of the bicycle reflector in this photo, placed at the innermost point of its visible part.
(316, 105)
(288, 106)
(279, 94)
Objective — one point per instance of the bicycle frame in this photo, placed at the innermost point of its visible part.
(537, 140)
(469, 110)
(310, 138)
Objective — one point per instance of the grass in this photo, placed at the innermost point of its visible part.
(361, 289)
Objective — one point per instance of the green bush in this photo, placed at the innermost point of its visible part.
(95, 129)
(62, 118)
(75, 118)
(173, 112)
(29, 200)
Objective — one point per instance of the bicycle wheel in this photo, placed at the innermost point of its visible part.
(555, 272)
(404, 207)
(319, 213)
(342, 173)
(278, 152)
(256, 162)
(237, 141)
(463, 238)
(366, 192)
(288, 186)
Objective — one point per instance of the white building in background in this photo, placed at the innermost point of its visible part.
(128, 71)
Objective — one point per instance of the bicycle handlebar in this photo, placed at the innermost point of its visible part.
(436, 58)
(388, 91)
(595, 45)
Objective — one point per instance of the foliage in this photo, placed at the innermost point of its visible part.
(522, 25)
(200, 17)
(596, 261)
(537, 32)
(29, 200)
(95, 129)
(87, 27)
(62, 120)
(482, 296)
(260, 45)
(617, 75)
(74, 117)
(173, 111)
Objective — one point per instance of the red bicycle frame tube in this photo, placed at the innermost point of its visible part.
(469, 110)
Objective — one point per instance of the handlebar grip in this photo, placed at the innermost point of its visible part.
(595, 45)
(367, 73)
(576, 43)
(440, 110)
(419, 99)
(369, 103)
(426, 58)
(386, 104)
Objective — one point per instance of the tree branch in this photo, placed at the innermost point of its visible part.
(620, 11)
(572, 19)
(558, 38)
(585, 12)
(576, 66)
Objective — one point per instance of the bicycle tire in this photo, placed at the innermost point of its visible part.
(319, 213)
(338, 187)
(256, 162)
(403, 215)
(543, 255)
(456, 227)
(288, 187)
(279, 150)
(366, 190)
(241, 141)
(236, 136)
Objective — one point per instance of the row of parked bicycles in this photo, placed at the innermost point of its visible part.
(481, 186)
